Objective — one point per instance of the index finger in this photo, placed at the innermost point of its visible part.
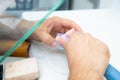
(71, 24)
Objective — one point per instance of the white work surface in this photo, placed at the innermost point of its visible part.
(103, 24)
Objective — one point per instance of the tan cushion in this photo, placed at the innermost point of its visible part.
(22, 70)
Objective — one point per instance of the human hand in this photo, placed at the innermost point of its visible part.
(88, 57)
(49, 29)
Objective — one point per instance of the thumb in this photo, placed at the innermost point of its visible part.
(48, 39)
(61, 42)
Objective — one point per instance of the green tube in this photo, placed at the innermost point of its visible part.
(28, 33)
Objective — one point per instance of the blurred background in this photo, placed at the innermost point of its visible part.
(18, 6)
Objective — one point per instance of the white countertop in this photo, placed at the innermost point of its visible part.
(103, 24)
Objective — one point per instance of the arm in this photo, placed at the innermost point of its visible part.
(14, 26)
(11, 30)
(47, 30)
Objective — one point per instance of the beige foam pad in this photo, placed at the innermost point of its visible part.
(22, 70)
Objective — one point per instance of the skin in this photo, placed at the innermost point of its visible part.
(87, 56)
(46, 32)
(49, 29)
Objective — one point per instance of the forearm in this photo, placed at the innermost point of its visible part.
(10, 33)
(14, 28)
(24, 26)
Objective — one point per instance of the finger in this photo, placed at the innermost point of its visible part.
(70, 32)
(67, 29)
(62, 30)
(53, 34)
(48, 39)
(61, 42)
(70, 24)
(63, 25)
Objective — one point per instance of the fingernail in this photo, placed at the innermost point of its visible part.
(53, 44)
(70, 32)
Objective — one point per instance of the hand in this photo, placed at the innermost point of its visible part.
(88, 57)
(49, 29)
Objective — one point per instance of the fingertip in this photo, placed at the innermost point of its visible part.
(48, 39)
(79, 29)
(61, 41)
(54, 44)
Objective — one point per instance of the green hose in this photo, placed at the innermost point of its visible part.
(28, 33)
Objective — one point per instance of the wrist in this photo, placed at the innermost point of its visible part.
(24, 26)
(86, 75)
(94, 75)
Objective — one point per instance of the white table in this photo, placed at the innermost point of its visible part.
(103, 24)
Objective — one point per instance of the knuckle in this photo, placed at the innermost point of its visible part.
(106, 49)
(48, 40)
(88, 35)
(76, 34)
(108, 55)
(55, 17)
